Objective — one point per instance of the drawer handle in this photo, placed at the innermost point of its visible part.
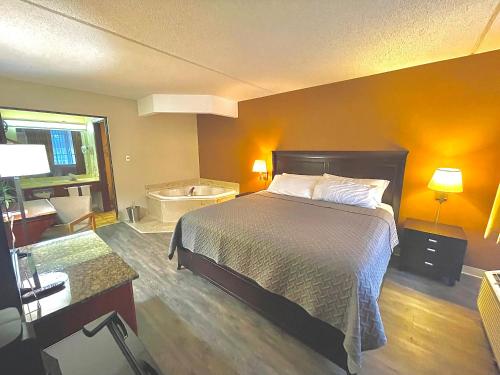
(432, 240)
(429, 264)
(431, 249)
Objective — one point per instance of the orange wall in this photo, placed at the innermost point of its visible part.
(445, 114)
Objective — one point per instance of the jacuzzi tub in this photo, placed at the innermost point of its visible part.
(168, 205)
(198, 192)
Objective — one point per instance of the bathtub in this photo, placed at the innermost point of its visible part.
(168, 205)
(199, 192)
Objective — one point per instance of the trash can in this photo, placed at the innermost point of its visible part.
(133, 213)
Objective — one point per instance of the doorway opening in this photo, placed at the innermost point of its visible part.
(79, 156)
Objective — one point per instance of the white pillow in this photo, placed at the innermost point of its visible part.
(294, 185)
(346, 193)
(380, 185)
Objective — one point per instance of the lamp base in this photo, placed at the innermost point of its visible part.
(20, 202)
(441, 198)
(50, 283)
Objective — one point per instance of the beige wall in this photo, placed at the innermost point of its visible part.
(162, 147)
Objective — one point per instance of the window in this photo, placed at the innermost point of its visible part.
(62, 146)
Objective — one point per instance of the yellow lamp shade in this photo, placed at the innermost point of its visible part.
(446, 180)
(259, 166)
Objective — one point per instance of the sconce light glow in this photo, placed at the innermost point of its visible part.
(259, 166)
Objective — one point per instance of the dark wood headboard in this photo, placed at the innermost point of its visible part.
(387, 165)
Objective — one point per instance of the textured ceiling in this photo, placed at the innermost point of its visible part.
(237, 49)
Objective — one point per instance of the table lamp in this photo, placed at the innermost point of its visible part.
(259, 166)
(444, 181)
(493, 226)
(17, 160)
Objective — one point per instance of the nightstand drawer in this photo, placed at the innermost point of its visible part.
(420, 259)
(423, 246)
(428, 267)
(434, 254)
(434, 242)
(424, 240)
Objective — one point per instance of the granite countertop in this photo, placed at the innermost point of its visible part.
(92, 268)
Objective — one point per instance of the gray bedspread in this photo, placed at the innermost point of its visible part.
(328, 258)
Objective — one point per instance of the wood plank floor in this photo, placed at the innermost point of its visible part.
(191, 327)
(105, 218)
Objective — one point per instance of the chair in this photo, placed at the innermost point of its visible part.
(74, 215)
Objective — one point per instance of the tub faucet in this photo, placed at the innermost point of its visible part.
(191, 191)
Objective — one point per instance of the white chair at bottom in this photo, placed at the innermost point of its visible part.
(74, 215)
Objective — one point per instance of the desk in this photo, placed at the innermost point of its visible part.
(81, 355)
(40, 215)
(99, 281)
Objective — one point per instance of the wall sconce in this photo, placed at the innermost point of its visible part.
(444, 181)
(259, 166)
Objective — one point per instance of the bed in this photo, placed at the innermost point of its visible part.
(313, 268)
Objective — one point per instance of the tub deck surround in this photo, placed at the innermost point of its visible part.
(194, 181)
(99, 281)
(168, 202)
(149, 224)
(192, 192)
(155, 222)
(169, 210)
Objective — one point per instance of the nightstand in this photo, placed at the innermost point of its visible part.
(245, 193)
(435, 250)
